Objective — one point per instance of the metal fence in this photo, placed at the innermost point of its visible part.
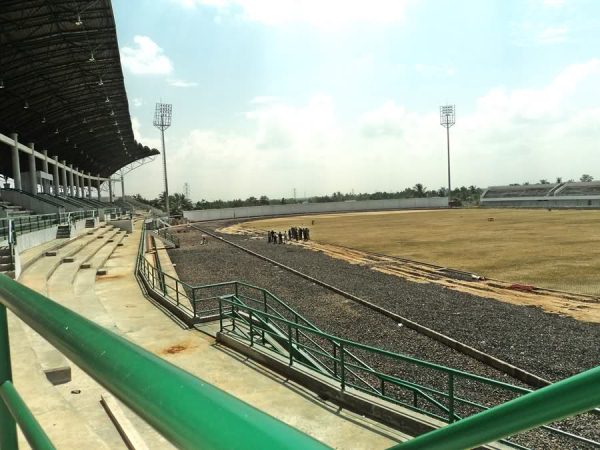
(448, 394)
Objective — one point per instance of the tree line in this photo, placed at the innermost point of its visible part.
(179, 202)
(461, 196)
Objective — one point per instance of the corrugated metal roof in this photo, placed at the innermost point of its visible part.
(61, 83)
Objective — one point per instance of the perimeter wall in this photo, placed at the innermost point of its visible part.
(311, 208)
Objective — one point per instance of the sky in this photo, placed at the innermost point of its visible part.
(318, 96)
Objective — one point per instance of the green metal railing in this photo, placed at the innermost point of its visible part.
(166, 234)
(566, 398)
(187, 411)
(449, 396)
(28, 224)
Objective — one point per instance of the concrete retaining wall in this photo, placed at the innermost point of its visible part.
(29, 240)
(546, 202)
(312, 208)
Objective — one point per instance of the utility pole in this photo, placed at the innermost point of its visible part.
(447, 119)
(162, 121)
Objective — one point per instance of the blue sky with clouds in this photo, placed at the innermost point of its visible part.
(271, 95)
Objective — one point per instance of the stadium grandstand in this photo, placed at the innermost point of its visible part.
(559, 195)
(102, 346)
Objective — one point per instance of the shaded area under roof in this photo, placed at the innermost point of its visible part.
(61, 84)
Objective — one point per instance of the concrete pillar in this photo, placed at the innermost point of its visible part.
(64, 179)
(110, 194)
(45, 183)
(56, 182)
(98, 185)
(71, 182)
(89, 185)
(16, 165)
(77, 183)
(122, 186)
(32, 180)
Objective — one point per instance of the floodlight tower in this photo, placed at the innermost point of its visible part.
(162, 121)
(447, 119)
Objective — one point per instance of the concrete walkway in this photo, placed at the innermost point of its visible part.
(116, 302)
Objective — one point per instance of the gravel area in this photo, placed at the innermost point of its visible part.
(548, 345)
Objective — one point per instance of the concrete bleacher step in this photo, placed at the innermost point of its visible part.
(54, 364)
(61, 420)
(7, 266)
(63, 232)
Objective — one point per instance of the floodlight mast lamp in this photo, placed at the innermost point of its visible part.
(162, 121)
(447, 119)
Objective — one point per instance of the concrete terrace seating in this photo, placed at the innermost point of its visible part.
(532, 190)
(572, 189)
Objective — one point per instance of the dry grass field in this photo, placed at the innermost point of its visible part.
(550, 249)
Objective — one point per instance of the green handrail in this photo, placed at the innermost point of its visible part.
(184, 409)
(31, 429)
(566, 398)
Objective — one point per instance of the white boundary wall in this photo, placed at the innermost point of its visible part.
(311, 208)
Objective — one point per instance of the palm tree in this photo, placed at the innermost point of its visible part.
(420, 190)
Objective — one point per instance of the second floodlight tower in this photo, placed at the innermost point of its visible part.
(162, 121)
(447, 119)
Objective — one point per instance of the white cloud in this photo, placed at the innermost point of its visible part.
(554, 3)
(263, 99)
(433, 70)
(507, 135)
(137, 102)
(552, 35)
(323, 14)
(283, 126)
(146, 58)
(152, 142)
(181, 83)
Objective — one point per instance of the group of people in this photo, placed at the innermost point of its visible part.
(296, 233)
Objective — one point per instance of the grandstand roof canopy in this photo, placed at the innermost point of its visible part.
(61, 84)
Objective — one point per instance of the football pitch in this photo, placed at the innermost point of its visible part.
(558, 249)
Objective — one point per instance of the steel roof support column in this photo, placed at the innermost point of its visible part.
(99, 184)
(71, 182)
(16, 166)
(32, 180)
(77, 183)
(45, 183)
(89, 184)
(64, 178)
(55, 177)
(110, 193)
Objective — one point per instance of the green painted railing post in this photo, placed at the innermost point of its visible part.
(177, 292)
(8, 426)
(382, 387)
(194, 301)
(236, 288)
(334, 359)
(297, 331)
(342, 367)
(220, 314)
(450, 397)
(265, 305)
(266, 314)
(290, 351)
(251, 331)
